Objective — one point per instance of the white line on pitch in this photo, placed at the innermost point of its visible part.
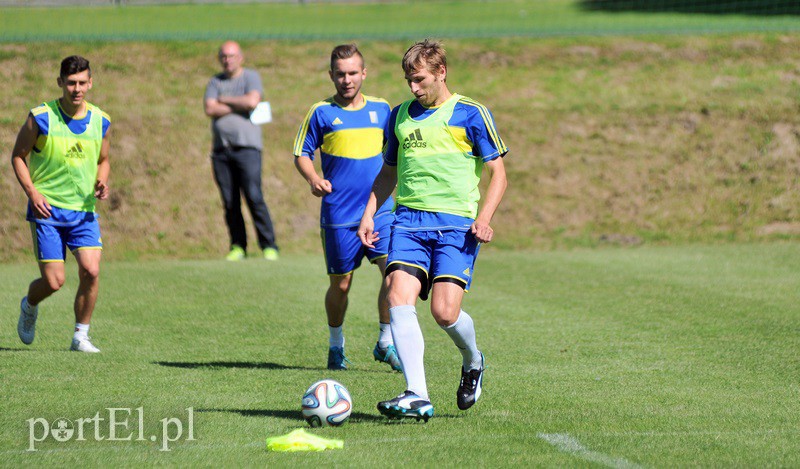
(570, 445)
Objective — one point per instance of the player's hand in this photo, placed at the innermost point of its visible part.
(482, 231)
(41, 209)
(366, 234)
(321, 187)
(101, 190)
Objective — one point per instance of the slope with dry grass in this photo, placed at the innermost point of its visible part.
(613, 140)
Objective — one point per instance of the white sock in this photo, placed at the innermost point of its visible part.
(336, 337)
(385, 337)
(463, 334)
(81, 331)
(410, 346)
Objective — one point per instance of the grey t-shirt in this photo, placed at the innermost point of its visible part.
(235, 129)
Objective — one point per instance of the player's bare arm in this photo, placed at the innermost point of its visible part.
(494, 194)
(382, 188)
(26, 139)
(319, 186)
(101, 190)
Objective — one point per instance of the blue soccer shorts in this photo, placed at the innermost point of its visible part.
(50, 242)
(343, 248)
(434, 256)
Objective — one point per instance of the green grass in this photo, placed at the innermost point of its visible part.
(667, 356)
(347, 21)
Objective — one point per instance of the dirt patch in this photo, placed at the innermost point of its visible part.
(621, 239)
(779, 228)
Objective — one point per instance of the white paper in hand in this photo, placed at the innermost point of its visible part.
(262, 114)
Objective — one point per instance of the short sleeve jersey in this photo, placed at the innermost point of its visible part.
(471, 126)
(350, 143)
(471, 122)
(77, 126)
(235, 129)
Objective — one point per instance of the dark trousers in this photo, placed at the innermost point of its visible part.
(238, 172)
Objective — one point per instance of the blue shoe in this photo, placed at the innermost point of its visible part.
(387, 355)
(469, 390)
(407, 405)
(336, 359)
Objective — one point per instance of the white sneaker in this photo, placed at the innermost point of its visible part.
(83, 345)
(26, 326)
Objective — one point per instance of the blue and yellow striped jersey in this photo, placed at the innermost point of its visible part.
(350, 142)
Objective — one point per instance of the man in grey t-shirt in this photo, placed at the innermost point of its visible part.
(236, 153)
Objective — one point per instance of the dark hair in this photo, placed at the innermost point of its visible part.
(74, 64)
(427, 53)
(345, 51)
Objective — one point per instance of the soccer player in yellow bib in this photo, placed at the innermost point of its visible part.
(348, 129)
(437, 146)
(61, 161)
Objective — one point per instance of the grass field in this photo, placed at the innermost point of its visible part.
(652, 357)
(348, 21)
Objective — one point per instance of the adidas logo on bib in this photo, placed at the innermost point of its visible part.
(76, 151)
(414, 140)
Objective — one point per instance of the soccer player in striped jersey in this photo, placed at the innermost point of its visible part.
(437, 147)
(348, 129)
(61, 161)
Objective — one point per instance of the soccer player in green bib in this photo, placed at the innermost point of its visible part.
(437, 146)
(61, 161)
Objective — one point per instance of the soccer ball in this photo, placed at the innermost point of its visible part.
(326, 402)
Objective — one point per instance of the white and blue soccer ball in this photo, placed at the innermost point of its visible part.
(326, 402)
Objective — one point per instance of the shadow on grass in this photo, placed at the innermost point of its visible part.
(251, 365)
(6, 349)
(290, 414)
(706, 7)
(223, 364)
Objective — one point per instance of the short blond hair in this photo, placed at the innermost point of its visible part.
(427, 53)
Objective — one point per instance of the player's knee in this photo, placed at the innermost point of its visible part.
(343, 288)
(444, 317)
(444, 312)
(55, 282)
(443, 322)
(340, 285)
(90, 273)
